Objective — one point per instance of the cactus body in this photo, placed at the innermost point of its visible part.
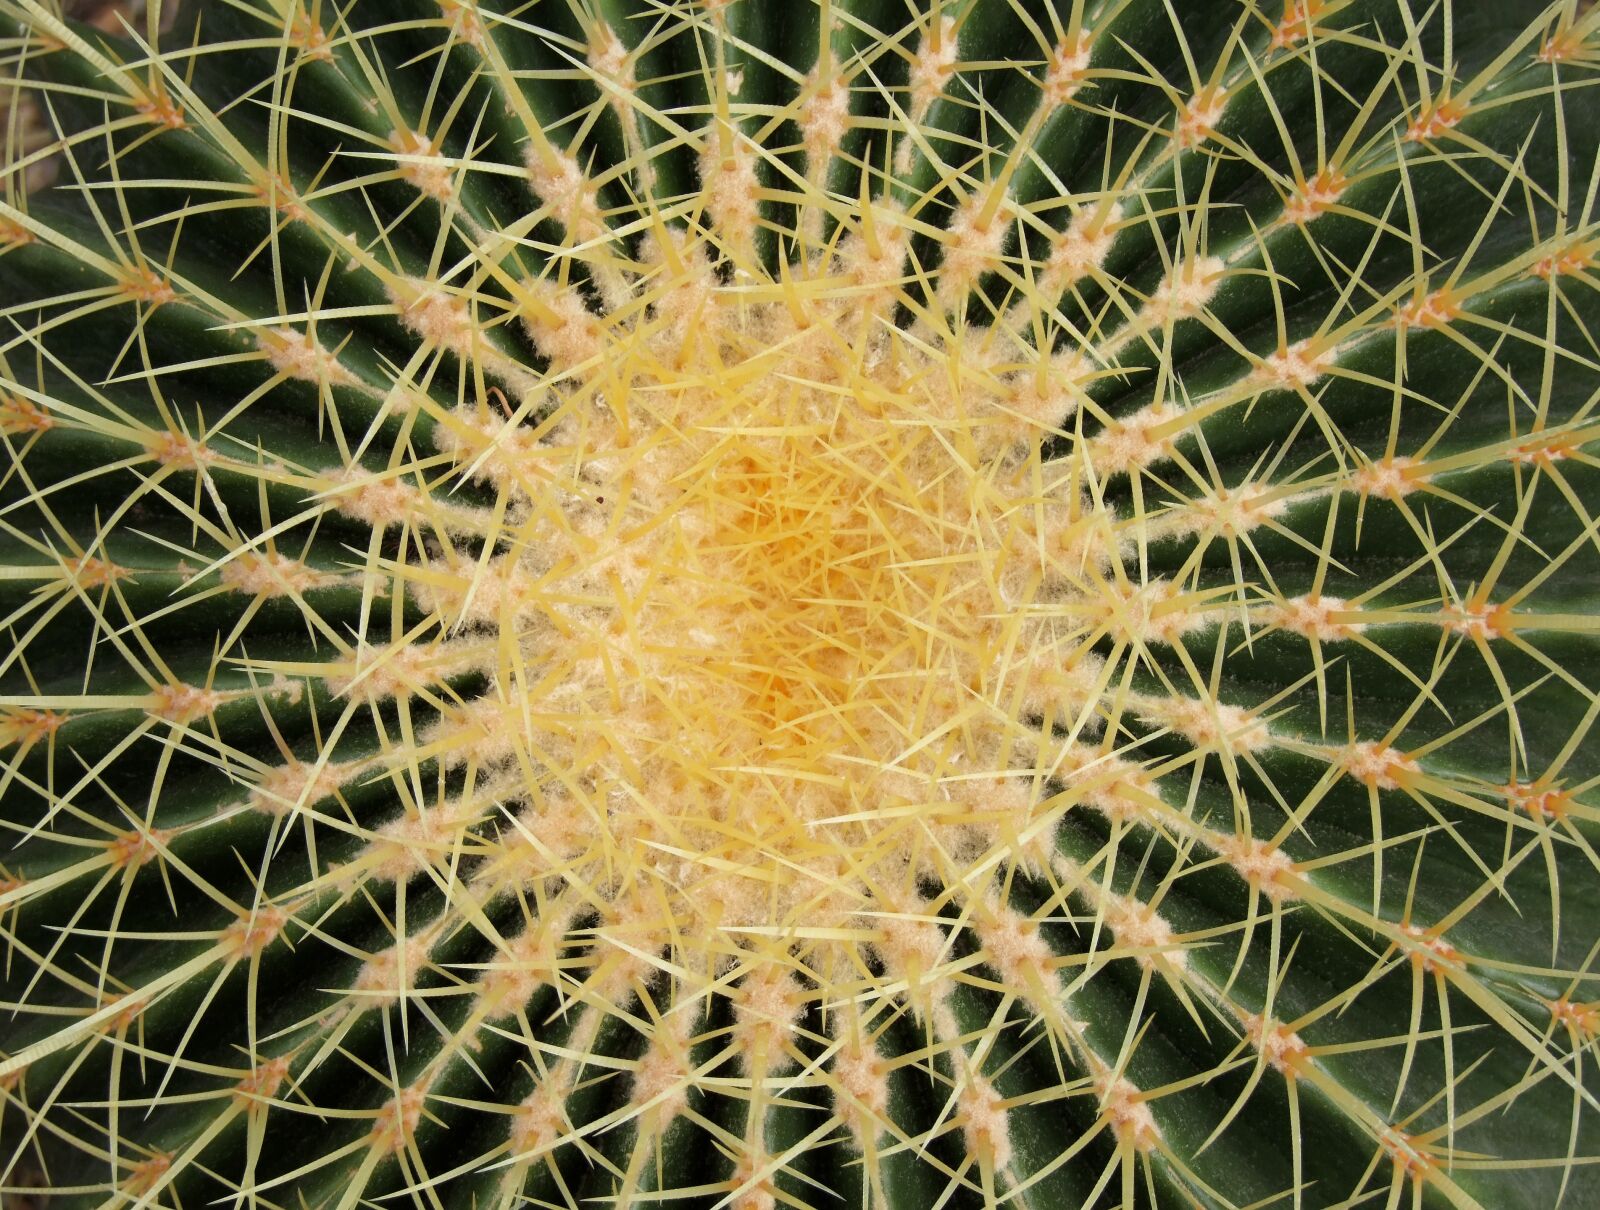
(826, 603)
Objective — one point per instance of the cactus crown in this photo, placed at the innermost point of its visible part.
(823, 603)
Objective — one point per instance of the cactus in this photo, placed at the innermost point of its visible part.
(819, 603)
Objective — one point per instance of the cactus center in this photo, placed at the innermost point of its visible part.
(793, 591)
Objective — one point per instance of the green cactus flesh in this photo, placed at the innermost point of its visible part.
(817, 603)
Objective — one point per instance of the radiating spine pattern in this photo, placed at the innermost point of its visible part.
(815, 603)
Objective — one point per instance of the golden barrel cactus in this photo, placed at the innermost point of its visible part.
(812, 603)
